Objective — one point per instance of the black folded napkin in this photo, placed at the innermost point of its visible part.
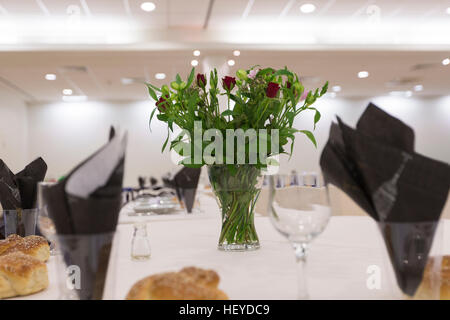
(403, 191)
(85, 207)
(185, 183)
(19, 191)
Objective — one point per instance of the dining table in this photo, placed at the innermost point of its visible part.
(342, 261)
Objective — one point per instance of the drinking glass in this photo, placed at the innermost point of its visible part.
(140, 245)
(300, 213)
(45, 223)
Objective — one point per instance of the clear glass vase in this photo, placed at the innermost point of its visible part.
(236, 191)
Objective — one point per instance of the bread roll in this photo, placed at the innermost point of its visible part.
(35, 246)
(436, 280)
(21, 274)
(188, 284)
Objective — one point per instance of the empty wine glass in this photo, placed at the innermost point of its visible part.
(300, 213)
(45, 223)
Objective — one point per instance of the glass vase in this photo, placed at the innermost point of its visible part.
(236, 190)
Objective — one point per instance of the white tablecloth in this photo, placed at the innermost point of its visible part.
(337, 267)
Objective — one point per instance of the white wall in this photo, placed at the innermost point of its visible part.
(430, 119)
(66, 133)
(13, 129)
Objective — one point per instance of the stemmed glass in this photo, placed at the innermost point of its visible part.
(300, 213)
(45, 223)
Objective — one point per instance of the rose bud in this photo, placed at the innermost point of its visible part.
(252, 74)
(228, 83)
(162, 104)
(298, 88)
(288, 84)
(304, 95)
(272, 89)
(241, 74)
(201, 80)
(175, 85)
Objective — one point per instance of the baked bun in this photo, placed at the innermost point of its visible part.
(21, 274)
(8, 242)
(189, 284)
(436, 279)
(35, 246)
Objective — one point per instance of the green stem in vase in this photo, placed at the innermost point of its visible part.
(237, 194)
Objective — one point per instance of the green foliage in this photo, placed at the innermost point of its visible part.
(185, 102)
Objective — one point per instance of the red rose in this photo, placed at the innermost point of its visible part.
(228, 83)
(272, 89)
(201, 80)
(162, 104)
(288, 84)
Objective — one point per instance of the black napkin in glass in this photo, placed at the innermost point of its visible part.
(403, 191)
(85, 208)
(185, 183)
(19, 191)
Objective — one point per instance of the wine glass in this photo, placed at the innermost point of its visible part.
(45, 223)
(300, 213)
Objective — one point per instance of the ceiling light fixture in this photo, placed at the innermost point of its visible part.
(67, 92)
(160, 76)
(196, 53)
(448, 10)
(50, 76)
(363, 74)
(308, 8)
(148, 6)
(333, 94)
(194, 63)
(408, 94)
(231, 62)
(446, 62)
(236, 53)
(336, 88)
(418, 87)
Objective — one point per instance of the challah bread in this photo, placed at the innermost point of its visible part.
(436, 279)
(35, 246)
(188, 284)
(8, 242)
(21, 274)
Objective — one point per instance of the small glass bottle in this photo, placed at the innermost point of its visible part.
(140, 245)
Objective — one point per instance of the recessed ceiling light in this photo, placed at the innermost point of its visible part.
(67, 92)
(406, 94)
(148, 6)
(236, 53)
(50, 76)
(74, 98)
(418, 87)
(231, 62)
(196, 53)
(127, 81)
(448, 10)
(363, 74)
(336, 88)
(194, 63)
(446, 62)
(160, 76)
(308, 8)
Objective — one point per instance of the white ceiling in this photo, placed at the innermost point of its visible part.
(98, 75)
(113, 39)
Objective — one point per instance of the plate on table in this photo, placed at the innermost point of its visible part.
(157, 205)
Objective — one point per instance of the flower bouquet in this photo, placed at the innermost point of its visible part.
(236, 143)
